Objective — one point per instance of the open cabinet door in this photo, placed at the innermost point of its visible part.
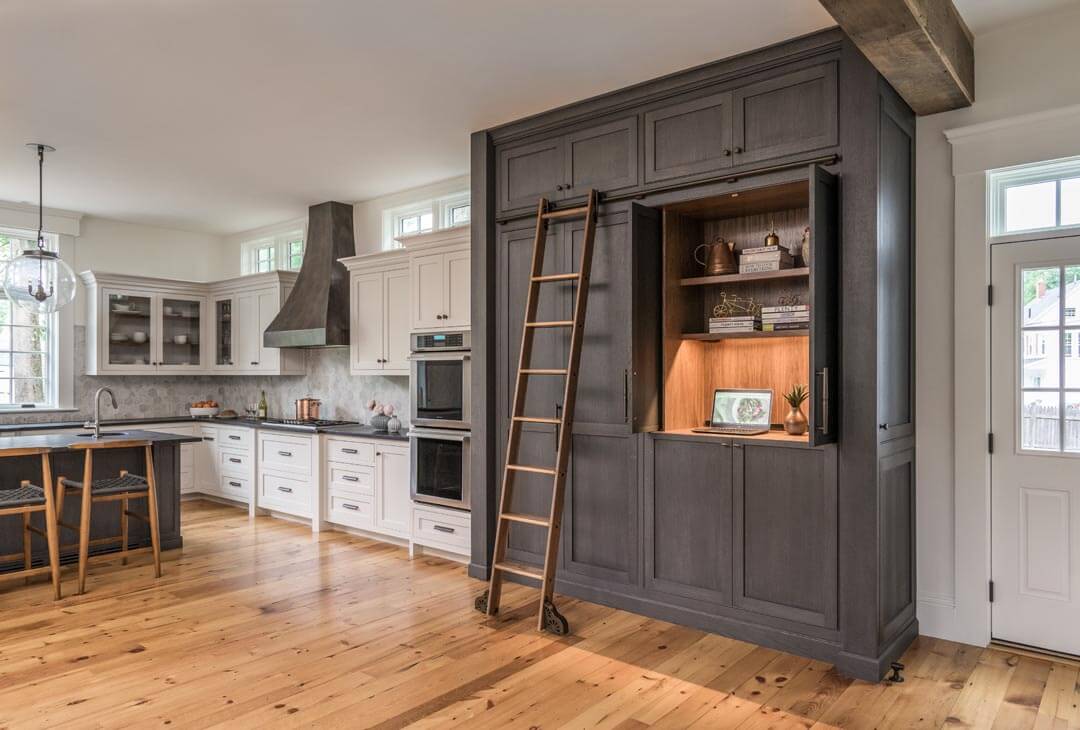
(824, 321)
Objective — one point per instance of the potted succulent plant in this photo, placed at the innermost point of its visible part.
(795, 422)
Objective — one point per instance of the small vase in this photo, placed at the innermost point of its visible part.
(795, 422)
(379, 422)
(394, 424)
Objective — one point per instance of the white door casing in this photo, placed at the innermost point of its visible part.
(1035, 465)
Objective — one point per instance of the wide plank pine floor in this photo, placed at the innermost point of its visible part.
(263, 625)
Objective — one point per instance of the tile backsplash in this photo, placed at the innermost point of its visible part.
(343, 396)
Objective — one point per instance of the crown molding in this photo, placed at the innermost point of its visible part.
(25, 216)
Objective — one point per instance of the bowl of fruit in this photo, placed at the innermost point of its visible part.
(204, 409)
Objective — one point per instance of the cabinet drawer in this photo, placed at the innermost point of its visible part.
(354, 480)
(235, 488)
(285, 453)
(236, 438)
(292, 496)
(446, 529)
(344, 451)
(352, 511)
(233, 462)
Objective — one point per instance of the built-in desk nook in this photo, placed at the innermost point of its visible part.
(803, 543)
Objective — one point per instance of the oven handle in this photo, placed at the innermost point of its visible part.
(441, 434)
(421, 356)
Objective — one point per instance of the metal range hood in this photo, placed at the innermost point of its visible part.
(316, 314)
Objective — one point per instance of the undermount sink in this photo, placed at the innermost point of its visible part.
(111, 434)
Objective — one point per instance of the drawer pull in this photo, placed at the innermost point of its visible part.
(234, 460)
(349, 451)
(284, 453)
(350, 478)
(234, 437)
(208, 438)
(235, 484)
(287, 490)
(353, 507)
(444, 528)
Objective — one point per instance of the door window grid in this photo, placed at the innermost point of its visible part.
(1049, 359)
(27, 340)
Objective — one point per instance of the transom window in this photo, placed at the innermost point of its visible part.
(283, 251)
(425, 216)
(28, 361)
(1050, 359)
(1035, 197)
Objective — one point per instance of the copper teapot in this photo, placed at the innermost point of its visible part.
(719, 259)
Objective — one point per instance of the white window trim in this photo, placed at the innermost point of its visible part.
(279, 241)
(1000, 180)
(439, 208)
(61, 378)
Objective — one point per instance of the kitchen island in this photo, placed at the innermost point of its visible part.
(67, 460)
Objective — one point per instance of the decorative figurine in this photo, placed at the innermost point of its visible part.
(795, 422)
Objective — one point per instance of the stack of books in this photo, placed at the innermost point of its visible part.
(765, 258)
(790, 317)
(740, 323)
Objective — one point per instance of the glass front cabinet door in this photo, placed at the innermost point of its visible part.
(129, 339)
(180, 344)
(223, 313)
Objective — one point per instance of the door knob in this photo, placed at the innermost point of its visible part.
(738, 150)
(558, 187)
(727, 152)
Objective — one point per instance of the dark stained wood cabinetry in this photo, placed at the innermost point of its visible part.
(806, 545)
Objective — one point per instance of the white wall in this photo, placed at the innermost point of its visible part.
(128, 248)
(1019, 69)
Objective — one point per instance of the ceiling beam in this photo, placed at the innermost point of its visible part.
(922, 47)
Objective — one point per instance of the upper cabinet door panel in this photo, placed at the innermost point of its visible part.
(396, 296)
(367, 321)
(689, 138)
(458, 284)
(824, 322)
(603, 157)
(786, 115)
(528, 171)
(429, 294)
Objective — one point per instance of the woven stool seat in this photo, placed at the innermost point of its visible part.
(113, 485)
(22, 496)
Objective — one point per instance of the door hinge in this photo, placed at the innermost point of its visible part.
(989, 295)
(991, 591)
(990, 442)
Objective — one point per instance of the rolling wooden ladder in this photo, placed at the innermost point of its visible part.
(549, 618)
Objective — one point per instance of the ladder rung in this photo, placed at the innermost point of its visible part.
(566, 213)
(509, 566)
(531, 469)
(554, 323)
(543, 371)
(556, 277)
(537, 419)
(525, 519)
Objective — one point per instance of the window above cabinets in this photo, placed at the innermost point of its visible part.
(284, 251)
(425, 216)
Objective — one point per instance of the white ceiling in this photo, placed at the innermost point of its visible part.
(225, 115)
(984, 15)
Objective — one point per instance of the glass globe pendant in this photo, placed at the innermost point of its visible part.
(38, 280)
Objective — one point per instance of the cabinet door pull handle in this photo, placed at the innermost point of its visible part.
(234, 460)
(235, 484)
(284, 453)
(444, 528)
(737, 446)
(353, 507)
(234, 437)
(254, 363)
(824, 427)
(208, 438)
(626, 396)
(350, 478)
(558, 187)
(738, 150)
(287, 490)
(348, 451)
(883, 426)
(727, 152)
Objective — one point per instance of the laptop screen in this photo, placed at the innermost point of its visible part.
(741, 407)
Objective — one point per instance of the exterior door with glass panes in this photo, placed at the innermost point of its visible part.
(1035, 464)
(223, 311)
(180, 346)
(129, 338)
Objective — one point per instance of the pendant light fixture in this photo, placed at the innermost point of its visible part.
(38, 280)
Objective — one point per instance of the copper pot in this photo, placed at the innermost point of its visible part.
(719, 258)
(307, 409)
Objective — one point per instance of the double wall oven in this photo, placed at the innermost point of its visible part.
(439, 381)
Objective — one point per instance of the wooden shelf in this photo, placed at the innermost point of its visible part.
(800, 273)
(713, 336)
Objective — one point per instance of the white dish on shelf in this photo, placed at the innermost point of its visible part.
(203, 412)
(118, 338)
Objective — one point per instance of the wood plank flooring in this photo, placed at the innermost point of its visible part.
(261, 624)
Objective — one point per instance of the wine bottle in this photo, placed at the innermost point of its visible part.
(262, 405)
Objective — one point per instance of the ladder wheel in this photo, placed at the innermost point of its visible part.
(481, 603)
(555, 622)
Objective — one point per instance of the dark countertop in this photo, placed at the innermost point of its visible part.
(65, 441)
(353, 430)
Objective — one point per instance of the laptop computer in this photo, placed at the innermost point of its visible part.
(739, 412)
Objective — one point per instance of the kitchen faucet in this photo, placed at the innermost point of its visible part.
(96, 423)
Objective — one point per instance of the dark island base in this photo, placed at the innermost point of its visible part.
(105, 519)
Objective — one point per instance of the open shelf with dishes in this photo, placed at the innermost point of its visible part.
(767, 326)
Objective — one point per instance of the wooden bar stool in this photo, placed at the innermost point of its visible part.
(25, 500)
(122, 489)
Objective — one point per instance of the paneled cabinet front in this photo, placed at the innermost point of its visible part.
(379, 324)
(565, 167)
(440, 290)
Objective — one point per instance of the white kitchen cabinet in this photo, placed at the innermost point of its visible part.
(393, 505)
(289, 468)
(440, 279)
(379, 302)
(144, 326)
(367, 484)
